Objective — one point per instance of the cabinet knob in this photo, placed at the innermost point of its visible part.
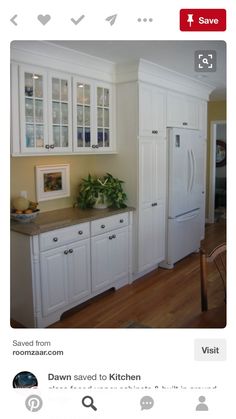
(185, 123)
(47, 146)
(121, 220)
(154, 131)
(154, 204)
(80, 232)
(71, 250)
(66, 252)
(55, 239)
(110, 237)
(52, 146)
(113, 236)
(103, 226)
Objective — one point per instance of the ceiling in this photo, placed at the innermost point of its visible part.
(175, 55)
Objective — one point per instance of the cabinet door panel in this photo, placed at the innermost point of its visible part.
(146, 172)
(182, 111)
(152, 223)
(159, 233)
(119, 255)
(145, 239)
(53, 280)
(79, 271)
(152, 110)
(33, 109)
(101, 275)
(60, 113)
(103, 116)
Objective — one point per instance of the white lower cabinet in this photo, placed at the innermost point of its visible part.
(65, 276)
(110, 261)
(55, 271)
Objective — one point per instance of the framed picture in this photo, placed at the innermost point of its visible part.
(52, 182)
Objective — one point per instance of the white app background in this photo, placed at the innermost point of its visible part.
(163, 358)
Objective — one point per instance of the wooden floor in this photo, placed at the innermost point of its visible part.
(161, 299)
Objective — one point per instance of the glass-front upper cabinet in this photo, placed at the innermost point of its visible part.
(103, 116)
(92, 116)
(82, 115)
(33, 110)
(60, 113)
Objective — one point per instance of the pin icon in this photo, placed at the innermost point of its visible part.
(44, 19)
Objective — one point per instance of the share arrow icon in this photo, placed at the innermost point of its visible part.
(111, 19)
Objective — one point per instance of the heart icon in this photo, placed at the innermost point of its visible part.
(44, 19)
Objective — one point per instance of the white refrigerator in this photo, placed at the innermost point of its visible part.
(185, 187)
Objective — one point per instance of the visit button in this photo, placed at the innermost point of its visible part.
(202, 19)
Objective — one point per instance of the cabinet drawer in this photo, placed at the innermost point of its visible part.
(109, 223)
(63, 236)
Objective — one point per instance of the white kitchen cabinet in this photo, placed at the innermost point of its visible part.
(60, 113)
(182, 111)
(33, 110)
(44, 112)
(110, 258)
(55, 271)
(152, 110)
(92, 116)
(152, 202)
(65, 276)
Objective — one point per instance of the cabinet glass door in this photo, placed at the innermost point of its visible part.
(83, 114)
(103, 117)
(34, 135)
(60, 113)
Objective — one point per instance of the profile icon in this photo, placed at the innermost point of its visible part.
(202, 406)
(25, 379)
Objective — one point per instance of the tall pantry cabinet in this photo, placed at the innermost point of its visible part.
(142, 158)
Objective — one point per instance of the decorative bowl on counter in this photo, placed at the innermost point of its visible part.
(24, 218)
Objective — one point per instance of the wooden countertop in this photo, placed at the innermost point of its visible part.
(51, 220)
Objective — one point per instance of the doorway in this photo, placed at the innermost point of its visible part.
(217, 181)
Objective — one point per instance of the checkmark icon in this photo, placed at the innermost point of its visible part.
(76, 21)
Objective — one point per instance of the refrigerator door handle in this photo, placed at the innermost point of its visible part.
(193, 165)
(189, 171)
(187, 217)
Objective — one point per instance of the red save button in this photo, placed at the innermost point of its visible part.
(202, 19)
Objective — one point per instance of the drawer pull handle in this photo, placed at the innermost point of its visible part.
(121, 221)
(52, 146)
(66, 252)
(185, 123)
(154, 204)
(55, 239)
(155, 131)
(103, 226)
(80, 232)
(71, 250)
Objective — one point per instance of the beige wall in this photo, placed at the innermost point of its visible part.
(23, 177)
(216, 112)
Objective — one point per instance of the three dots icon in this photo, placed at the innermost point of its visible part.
(145, 20)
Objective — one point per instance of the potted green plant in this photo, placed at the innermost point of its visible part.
(101, 192)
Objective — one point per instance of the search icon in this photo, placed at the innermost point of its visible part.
(205, 61)
(87, 401)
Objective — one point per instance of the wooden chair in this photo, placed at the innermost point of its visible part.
(218, 257)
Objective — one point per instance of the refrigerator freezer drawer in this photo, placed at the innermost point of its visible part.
(184, 235)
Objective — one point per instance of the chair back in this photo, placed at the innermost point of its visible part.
(218, 257)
